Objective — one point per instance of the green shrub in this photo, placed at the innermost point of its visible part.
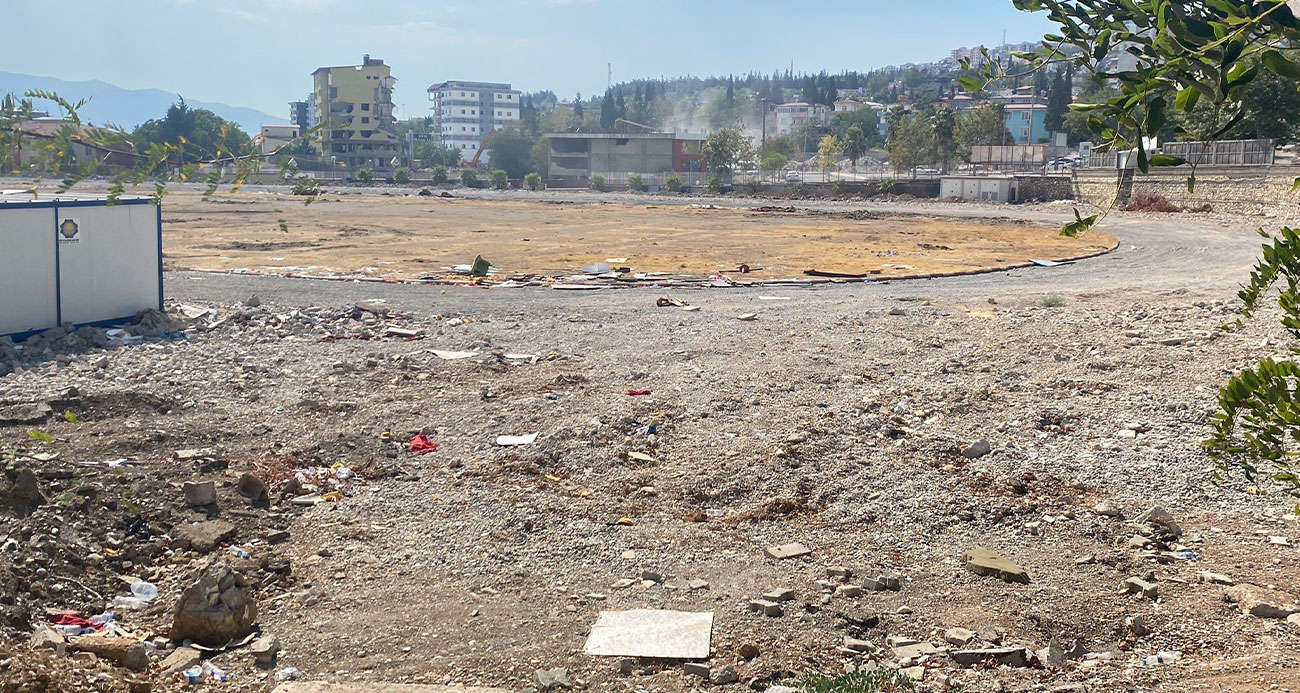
(597, 183)
(634, 183)
(672, 183)
(877, 681)
(886, 184)
(366, 174)
(402, 175)
(499, 179)
(1051, 302)
(306, 186)
(713, 185)
(533, 181)
(439, 175)
(797, 189)
(468, 178)
(755, 186)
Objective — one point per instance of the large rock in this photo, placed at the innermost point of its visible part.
(203, 537)
(997, 656)
(1262, 602)
(982, 561)
(216, 609)
(24, 414)
(126, 652)
(23, 495)
(1159, 518)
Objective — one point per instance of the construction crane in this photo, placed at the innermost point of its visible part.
(482, 146)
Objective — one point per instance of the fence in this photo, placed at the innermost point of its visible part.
(1226, 153)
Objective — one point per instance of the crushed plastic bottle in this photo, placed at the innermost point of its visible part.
(286, 674)
(193, 675)
(1185, 555)
(214, 672)
(238, 552)
(144, 591)
(129, 603)
(1162, 658)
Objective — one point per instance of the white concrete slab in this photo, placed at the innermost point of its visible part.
(317, 687)
(651, 633)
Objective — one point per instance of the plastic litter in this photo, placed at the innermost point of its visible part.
(238, 552)
(638, 393)
(508, 441)
(1185, 555)
(1162, 658)
(193, 675)
(286, 674)
(214, 672)
(144, 591)
(129, 603)
(421, 444)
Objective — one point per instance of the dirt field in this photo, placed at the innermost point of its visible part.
(835, 418)
(407, 237)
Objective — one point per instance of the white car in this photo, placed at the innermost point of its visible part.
(793, 177)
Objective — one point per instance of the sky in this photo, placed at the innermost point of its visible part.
(260, 53)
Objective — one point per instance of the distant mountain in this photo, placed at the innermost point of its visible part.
(126, 107)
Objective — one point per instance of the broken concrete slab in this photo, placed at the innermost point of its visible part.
(655, 633)
(203, 537)
(1161, 518)
(200, 493)
(982, 561)
(25, 413)
(998, 656)
(317, 687)
(180, 659)
(1262, 602)
(791, 550)
(126, 652)
(915, 650)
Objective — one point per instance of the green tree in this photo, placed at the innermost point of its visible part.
(726, 150)
(773, 161)
(866, 120)
(431, 154)
(402, 176)
(1059, 97)
(785, 145)
(468, 178)
(855, 144)
(499, 179)
(828, 152)
(983, 125)
(438, 176)
(634, 182)
(608, 113)
(510, 149)
(672, 183)
(910, 143)
(365, 174)
(596, 182)
(194, 134)
(533, 181)
(943, 121)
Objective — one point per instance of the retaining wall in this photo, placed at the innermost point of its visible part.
(1241, 189)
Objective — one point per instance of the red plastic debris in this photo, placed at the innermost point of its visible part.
(421, 445)
(638, 393)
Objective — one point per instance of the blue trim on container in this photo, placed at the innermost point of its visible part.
(72, 203)
(160, 258)
(20, 336)
(58, 277)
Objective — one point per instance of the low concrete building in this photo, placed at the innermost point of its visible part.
(575, 157)
(274, 137)
(987, 188)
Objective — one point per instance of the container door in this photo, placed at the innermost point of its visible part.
(28, 299)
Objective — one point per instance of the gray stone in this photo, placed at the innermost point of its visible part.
(651, 576)
(990, 634)
(765, 607)
(1052, 656)
(203, 615)
(253, 489)
(699, 669)
(698, 584)
(203, 537)
(180, 659)
(1262, 602)
(916, 673)
(265, 649)
(1216, 579)
(849, 591)
(1159, 517)
(959, 637)
(864, 646)
(722, 676)
(200, 493)
(125, 652)
(45, 637)
(913, 651)
(1136, 585)
(1137, 625)
(1107, 509)
(25, 413)
(997, 656)
(779, 595)
(24, 495)
(977, 450)
(552, 679)
(792, 550)
(982, 561)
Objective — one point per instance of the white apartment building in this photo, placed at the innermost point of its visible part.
(465, 113)
(797, 114)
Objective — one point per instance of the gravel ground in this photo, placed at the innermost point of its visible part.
(834, 419)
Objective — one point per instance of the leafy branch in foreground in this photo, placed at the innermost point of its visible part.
(1178, 55)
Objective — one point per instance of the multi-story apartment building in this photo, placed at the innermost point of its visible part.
(354, 104)
(465, 113)
(303, 113)
(797, 114)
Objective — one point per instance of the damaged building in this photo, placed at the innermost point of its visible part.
(575, 157)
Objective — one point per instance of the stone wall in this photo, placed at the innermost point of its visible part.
(1044, 188)
(1240, 189)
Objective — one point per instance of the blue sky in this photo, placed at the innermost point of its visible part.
(260, 53)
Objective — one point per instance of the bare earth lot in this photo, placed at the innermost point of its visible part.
(833, 419)
(406, 237)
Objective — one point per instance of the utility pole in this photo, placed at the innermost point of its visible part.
(762, 147)
(609, 75)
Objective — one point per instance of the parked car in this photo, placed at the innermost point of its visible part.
(793, 177)
(1062, 163)
(925, 171)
